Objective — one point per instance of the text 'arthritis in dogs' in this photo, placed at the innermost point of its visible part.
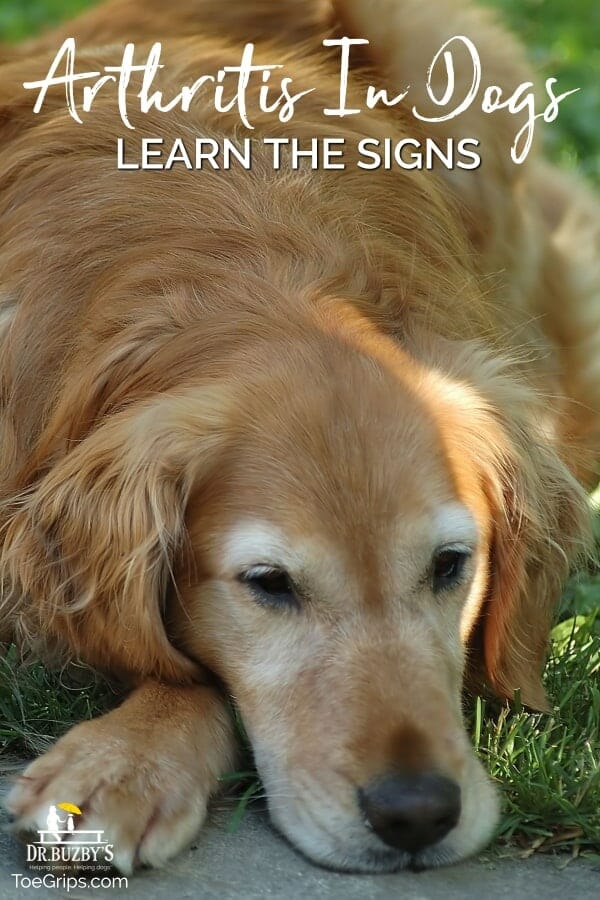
(522, 99)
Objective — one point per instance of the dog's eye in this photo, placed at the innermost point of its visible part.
(273, 587)
(448, 565)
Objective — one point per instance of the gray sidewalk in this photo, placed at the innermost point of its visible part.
(254, 863)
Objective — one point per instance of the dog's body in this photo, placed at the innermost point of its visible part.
(314, 431)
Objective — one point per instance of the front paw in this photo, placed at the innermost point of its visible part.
(143, 787)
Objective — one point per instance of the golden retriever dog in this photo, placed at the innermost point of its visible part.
(309, 439)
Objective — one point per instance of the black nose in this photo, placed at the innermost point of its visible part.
(411, 812)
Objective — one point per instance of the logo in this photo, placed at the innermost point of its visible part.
(65, 841)
(71, 856)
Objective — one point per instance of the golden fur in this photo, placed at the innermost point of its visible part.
(330, 364)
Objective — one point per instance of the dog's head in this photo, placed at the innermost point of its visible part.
(325, 522)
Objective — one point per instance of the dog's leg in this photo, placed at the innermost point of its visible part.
(143, 773)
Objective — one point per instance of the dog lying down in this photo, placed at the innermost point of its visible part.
(313, 440)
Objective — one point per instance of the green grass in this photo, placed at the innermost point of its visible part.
(548, 766)
(37, 706)
(562, 38)
(21, 18)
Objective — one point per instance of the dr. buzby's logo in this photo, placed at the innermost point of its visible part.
(65, 840)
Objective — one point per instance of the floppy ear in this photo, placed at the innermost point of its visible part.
(92, 545)
(537, 517)
(540, 527)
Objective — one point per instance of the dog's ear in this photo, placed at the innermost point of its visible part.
(92, 545)
(540, 525)
(535, 516)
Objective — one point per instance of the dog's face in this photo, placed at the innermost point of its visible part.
(324, 523)
(337, 566)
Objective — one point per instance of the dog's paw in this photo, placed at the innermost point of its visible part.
(144, 787)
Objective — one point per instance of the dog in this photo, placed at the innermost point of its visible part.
(314, 441)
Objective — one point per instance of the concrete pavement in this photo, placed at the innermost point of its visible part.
(255, 864)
